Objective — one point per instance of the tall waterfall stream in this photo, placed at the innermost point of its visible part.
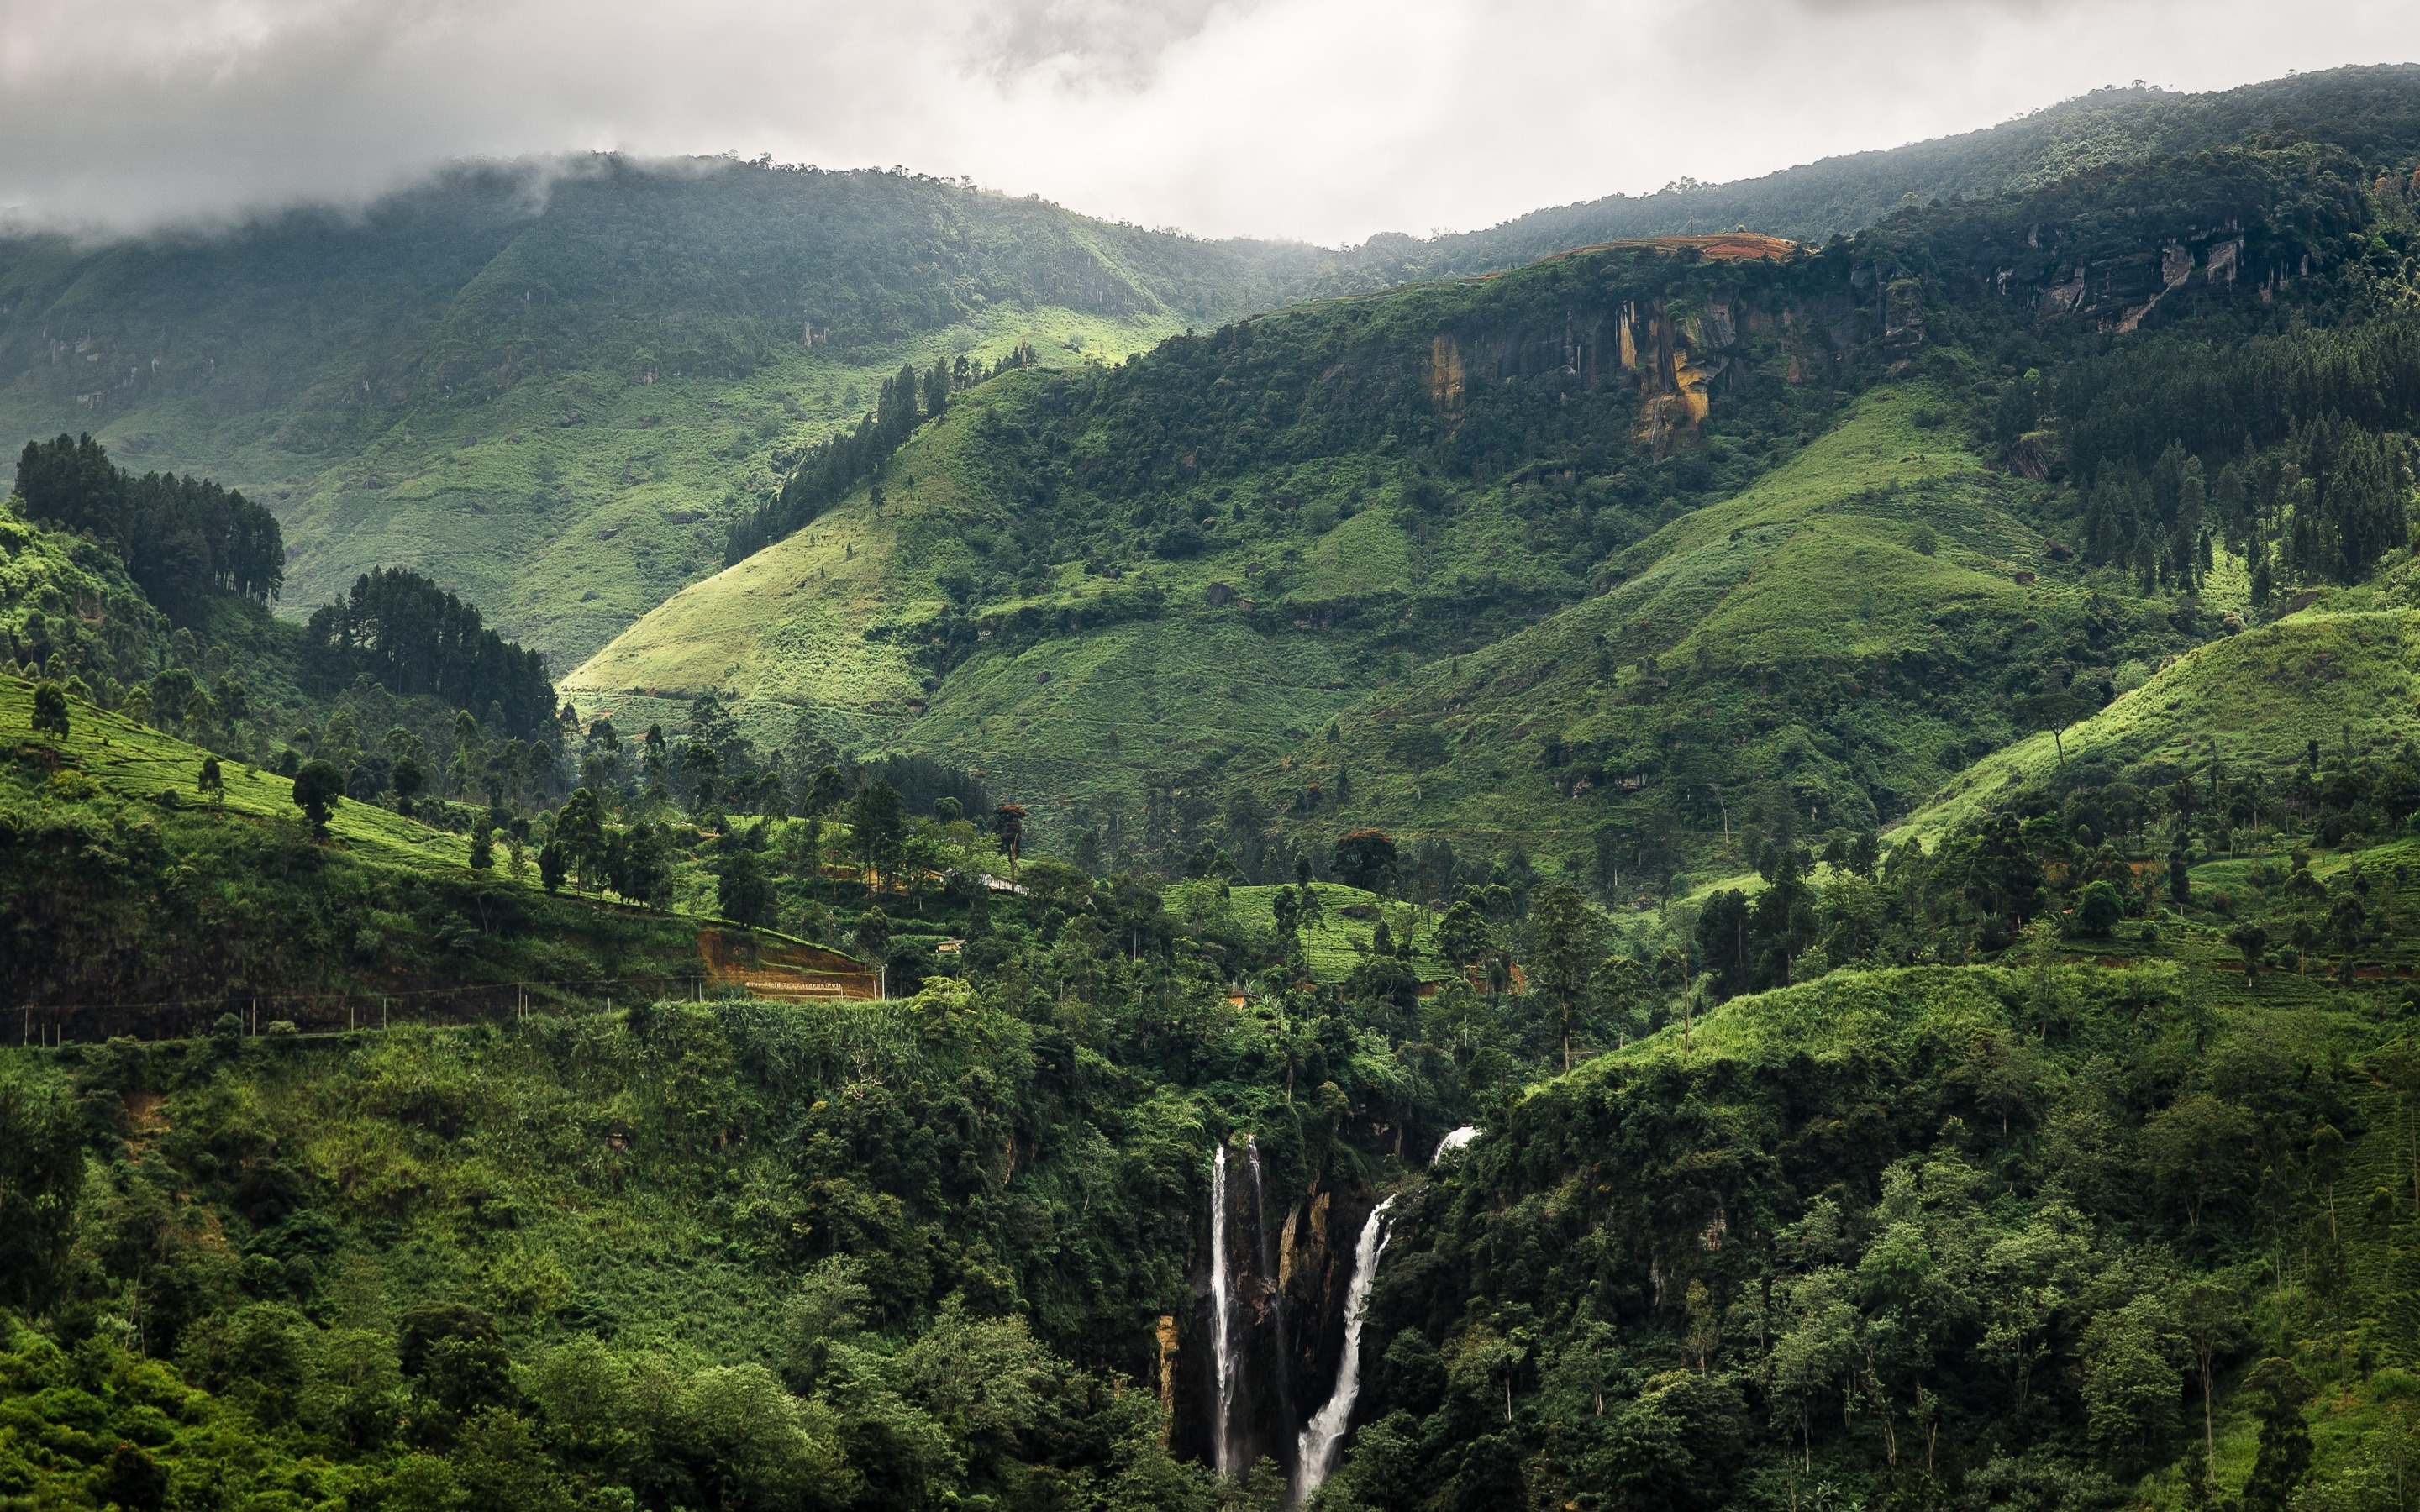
(1325, 1434)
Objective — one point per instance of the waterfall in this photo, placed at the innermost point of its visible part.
(1325, 1434)
(1454, 1141)
(1222, 1288)
(1285, 1390)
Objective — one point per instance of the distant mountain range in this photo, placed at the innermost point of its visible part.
(550, 387)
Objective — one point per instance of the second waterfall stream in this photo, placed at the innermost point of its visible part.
(1326, 1433)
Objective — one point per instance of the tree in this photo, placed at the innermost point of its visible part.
(1723, 945)
(41, 1169)
(654, 760)
(483, 843)
(824, 794)
(2283, 1461)
(871, 937)
(1364, 858)
(1463, 936)
(2098, 909)
(830, 1308)
(2198, 1146)
(2129, 1375)
(878, 823)
(211, 784)
(1285, 910)
(580, 835)
(1568, 941)
(1625, 991)
(319, 787)
(2347, 919)
(742, 893)
(638, 865)
(807, 849)
(1008, 823)
(2251, 940)
(2179, 877)
(1864, 854)
(50, 709)
(549, 866)
(2208, 1312)
(703, 770)
(409, 781)
(2052, 711)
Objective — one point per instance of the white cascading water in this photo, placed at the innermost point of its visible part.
(1222, 1288)
(1454, 1141)
(1325, 1434)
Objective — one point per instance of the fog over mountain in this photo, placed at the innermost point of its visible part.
(1322, 119)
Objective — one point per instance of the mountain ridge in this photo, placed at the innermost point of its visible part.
(556, 405)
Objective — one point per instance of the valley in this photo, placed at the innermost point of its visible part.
(764, 839)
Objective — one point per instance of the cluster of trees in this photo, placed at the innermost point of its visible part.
(2086, 857)
(2216, 399)
(2295, 445)
(185, 540)
(2324, 506)
(414, 638)
(941, 1321)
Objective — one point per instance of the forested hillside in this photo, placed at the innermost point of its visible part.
(2368, 111)
(512, 378)
(1617, 557)
(1718, 872)
(552, 389)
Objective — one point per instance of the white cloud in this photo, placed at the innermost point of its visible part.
(1328, 119)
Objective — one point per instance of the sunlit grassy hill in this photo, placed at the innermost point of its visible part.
(549, 388)
(1093, 584)
(2257, 698)
(122, 883)
(1622, 555)
(1838, 637)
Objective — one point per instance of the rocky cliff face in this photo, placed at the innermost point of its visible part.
(1290, 1258)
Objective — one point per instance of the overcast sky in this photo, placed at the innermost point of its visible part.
(1325, 119)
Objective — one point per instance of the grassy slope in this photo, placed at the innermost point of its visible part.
(290, 924)
(1834, 627)
(2259, 697)
(551, 401)
(1815, 566)
(1054, 717)
(1332, 584)
(136, 763)
(566, 533)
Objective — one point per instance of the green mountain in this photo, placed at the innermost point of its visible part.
(552, 388)
(1636, 556)
(548, 388)
(1794, 869)
(2368, 111)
